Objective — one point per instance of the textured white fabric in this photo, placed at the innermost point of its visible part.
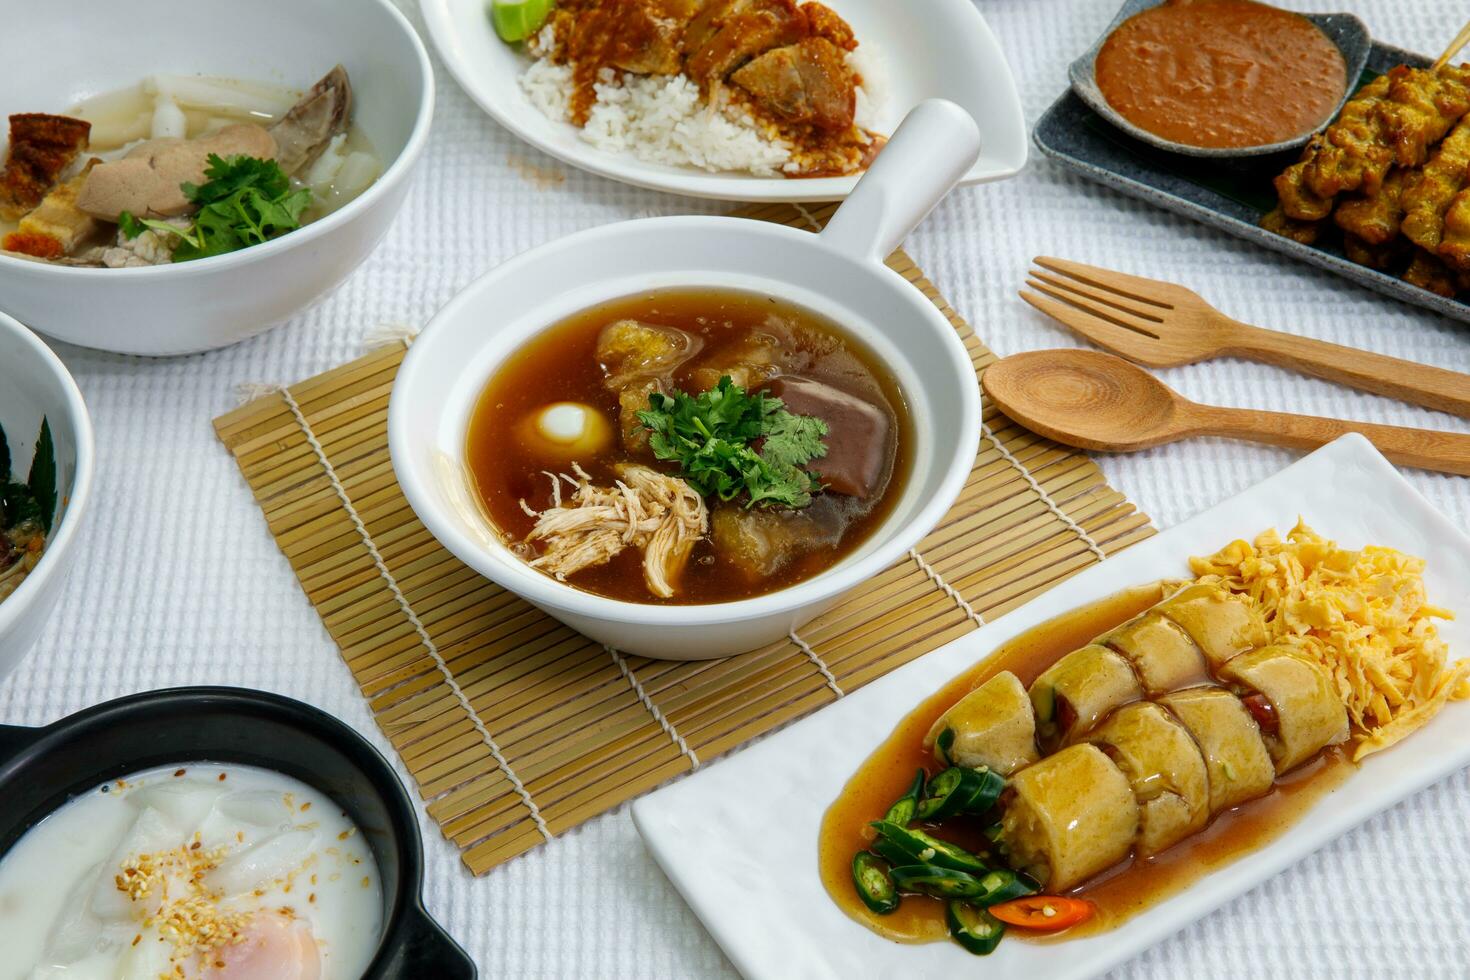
(179, 583)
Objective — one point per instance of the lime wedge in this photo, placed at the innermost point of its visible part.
(517, 20)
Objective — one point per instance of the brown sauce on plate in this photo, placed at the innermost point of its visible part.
(1221, 73)
(1119, 893)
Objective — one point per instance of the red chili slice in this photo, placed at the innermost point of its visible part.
(1264, 712)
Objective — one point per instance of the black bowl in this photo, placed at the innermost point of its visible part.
(43, 768)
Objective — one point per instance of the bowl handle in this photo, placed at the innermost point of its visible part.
(430, 951)
(13, 738)
(936, 144)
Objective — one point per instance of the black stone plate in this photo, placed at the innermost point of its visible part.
(1229, 194)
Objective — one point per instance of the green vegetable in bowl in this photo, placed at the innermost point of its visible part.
(27, 510)
(729, 442)
(245, 201)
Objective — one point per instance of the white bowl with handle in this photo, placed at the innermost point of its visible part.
(839, 274)
(95, 46)
(35, 385)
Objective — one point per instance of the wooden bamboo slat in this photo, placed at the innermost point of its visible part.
(578, 728)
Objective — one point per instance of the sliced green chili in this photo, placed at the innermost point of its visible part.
(931, 879)
(873, 884)
(904, 808)
(973, 928)
(922, 848)
(959, 790)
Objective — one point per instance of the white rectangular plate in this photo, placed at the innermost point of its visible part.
(739, 840)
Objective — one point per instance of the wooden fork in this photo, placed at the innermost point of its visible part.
(1160, 324)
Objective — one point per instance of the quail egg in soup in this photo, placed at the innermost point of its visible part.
(689, 446)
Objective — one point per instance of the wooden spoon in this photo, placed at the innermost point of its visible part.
(1101, 402)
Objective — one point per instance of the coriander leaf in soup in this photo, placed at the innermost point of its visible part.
(245, 201)
(42, 479)
(713, 436)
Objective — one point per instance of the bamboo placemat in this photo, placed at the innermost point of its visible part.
(517, 728)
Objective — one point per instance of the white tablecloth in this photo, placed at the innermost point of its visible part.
(179, 583)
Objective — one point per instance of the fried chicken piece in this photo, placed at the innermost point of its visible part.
(807, 83)
(41, 148)
(1427, 272)
(1305, 232)
(1376, 219)
(728, 33)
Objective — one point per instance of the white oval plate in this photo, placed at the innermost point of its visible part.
(947, 51)
(739, 840)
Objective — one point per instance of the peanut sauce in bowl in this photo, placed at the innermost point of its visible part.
(1220, 74)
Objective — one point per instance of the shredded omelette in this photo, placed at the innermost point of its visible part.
(1362, 614)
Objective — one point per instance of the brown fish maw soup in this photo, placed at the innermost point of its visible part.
(689, 446)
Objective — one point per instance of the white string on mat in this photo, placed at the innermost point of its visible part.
(811, 654)
(801, 209)
(949, 590)
(647, 701)
(418, 626)
(1051, 504)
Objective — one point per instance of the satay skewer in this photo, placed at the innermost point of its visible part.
(1461, 39)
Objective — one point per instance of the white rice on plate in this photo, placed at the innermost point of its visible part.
(659, 118)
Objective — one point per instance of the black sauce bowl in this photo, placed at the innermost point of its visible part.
(42, 768)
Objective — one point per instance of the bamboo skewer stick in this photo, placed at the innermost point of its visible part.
(1461, 39)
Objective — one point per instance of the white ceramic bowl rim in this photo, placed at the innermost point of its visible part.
(79, 497)
(396, 172)
(540, 588)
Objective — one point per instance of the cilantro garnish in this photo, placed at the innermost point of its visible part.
(713, 436)
(245, 201)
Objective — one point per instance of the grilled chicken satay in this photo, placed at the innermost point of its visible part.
(1427, 271)
(1356, 133)
(1376, 219)
(1454, 244)
(1306, 232)
(1386, 257)
(1432, 190)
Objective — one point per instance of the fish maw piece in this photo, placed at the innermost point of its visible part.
(629, 350)
(260, 865)
(76, 930)
(271, 947)
(185, 802)
(857, 434)
(993, 726)
(148, 181)
(150, 833)
(305, 130)
(760, 541)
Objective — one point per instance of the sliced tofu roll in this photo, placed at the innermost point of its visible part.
(1223, 624)
(1293, 701)
(992, 726)
(1073, 815)
(1162, 654)
(1165, 769)
(1236, 760)
(1080, 690)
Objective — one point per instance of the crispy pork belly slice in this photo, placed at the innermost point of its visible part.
(147, 182)
(1223, 624)
(304, 132)
(1080, 690)
(993, 726)
(857, 434)
(1292, 700)
(728, 33)
(1162, 654)
(41, 148)
(807, 83)
(1236, 759)
(1165, 769)
(1072, 816)
(57, 227)
(827, 23)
